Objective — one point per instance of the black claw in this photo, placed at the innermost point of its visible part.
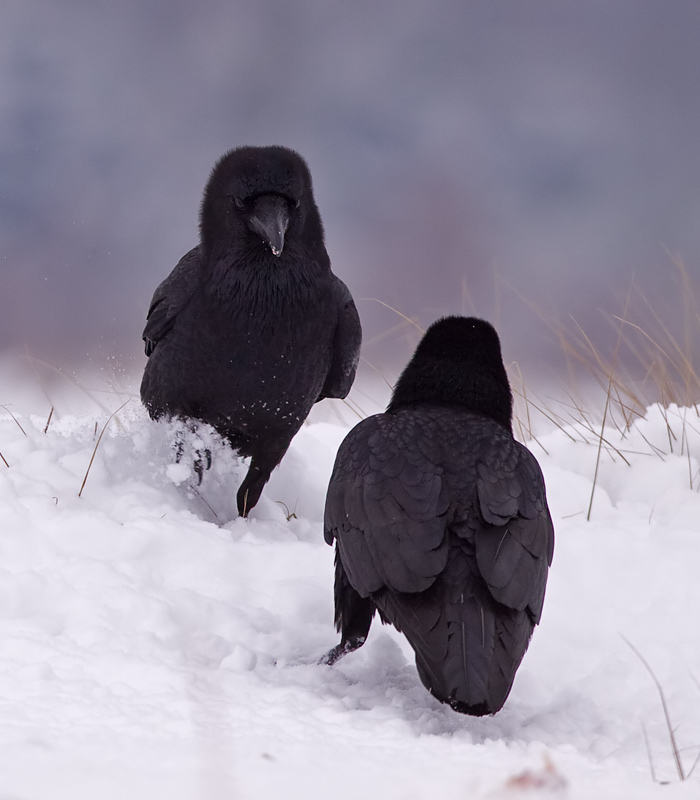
(179, 447)
(202, 459)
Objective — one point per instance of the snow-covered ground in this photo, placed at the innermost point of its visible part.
(152, 645)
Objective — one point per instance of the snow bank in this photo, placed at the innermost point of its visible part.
(152, 645)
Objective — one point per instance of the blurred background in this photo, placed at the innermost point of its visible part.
(528, 161)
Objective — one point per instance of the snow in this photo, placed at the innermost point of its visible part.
(154, 645)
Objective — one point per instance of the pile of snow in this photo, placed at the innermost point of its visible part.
(153, 645)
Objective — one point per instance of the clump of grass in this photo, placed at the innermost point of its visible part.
(653, 361)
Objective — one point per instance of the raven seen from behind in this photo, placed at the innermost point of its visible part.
(252, 328)
(441, 521)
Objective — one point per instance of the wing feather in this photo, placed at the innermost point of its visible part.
(515, 542)
(346, 345)
(389, 515)
(171, 296)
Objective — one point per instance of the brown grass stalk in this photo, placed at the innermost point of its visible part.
(97, 444)
(664, 705)
(396, 311)
(15, 419)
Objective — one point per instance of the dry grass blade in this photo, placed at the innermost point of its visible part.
(387, 333)
(377, 370)
(674, 360)
(287, 513)
(600, 446)
(15, 419)
(669, 430)
(48, 421)
(202, 498)
(657, 451)
(354, 410)
(467, 301)
(686, 367)
(608, 394)
(516, 366)
(395, 310)
(548, 415)
(97, 444)
(685, 445)
(597, 459)
(695, 763)
(649, 754)
(4, 460)
(531, 436)
(610, 448)
(695, 680)
(664, 705)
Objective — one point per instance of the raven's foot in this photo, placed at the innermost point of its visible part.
(202, 458)
(200, 464)
(342, 649)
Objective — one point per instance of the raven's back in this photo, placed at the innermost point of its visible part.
(440, 518)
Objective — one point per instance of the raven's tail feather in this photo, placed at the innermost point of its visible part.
(468, 647)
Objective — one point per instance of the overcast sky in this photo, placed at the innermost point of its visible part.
(463, 152)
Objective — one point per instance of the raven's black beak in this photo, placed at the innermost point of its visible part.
(270, 219)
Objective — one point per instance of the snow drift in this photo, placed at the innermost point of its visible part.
(153, 645)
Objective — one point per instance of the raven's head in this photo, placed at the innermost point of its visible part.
(458, 362)
(265, 191)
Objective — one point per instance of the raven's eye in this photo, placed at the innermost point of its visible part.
(239, 203)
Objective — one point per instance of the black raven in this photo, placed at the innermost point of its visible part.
(441, 521)
(252, 328)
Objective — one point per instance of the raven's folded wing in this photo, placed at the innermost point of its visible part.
(387, 509)
(171, 296)
(515, 544)
(346, 345)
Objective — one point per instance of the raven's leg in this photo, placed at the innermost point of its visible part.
(353, 615)
(258, 475)
(250, 490)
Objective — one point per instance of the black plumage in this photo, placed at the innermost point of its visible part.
(252, 328)
(441, 521)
